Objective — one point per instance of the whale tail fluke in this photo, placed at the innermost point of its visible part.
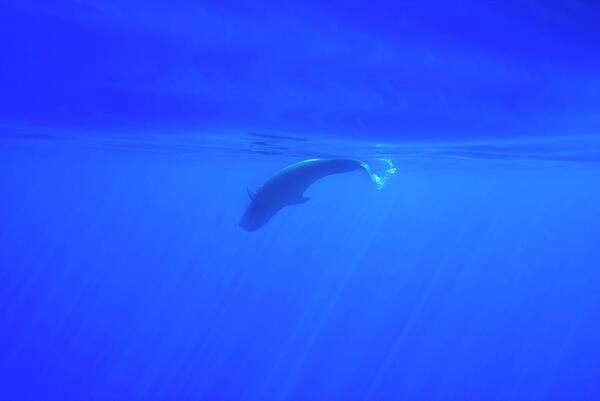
(384, 171)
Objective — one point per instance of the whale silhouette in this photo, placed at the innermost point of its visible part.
(287, 188)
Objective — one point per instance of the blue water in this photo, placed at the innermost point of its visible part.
(473, 274)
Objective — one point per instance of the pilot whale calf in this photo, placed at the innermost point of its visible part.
(287, 188)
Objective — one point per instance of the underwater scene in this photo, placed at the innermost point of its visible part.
(313, 201)
(471, 273)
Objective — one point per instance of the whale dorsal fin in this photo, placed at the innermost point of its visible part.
(250, 194)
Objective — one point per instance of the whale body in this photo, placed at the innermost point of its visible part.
(287, 188)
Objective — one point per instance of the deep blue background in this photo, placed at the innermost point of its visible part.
(124, 276)
(386, 69)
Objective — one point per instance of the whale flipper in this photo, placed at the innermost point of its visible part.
(299, 201)
(250, 194)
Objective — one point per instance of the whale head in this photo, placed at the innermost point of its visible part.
(257, 215)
